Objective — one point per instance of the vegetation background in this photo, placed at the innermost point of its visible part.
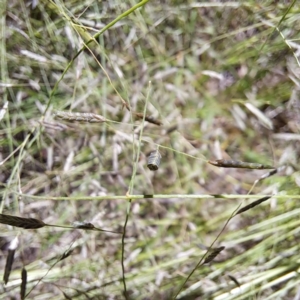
(225, 83)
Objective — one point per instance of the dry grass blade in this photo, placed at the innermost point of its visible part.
(26, 223)
(223, 163)
(23, 283)
(79, 117)
(3, 110)
(212, 256)
(260, 116)
(253, 204)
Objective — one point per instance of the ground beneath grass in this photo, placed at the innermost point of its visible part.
(196, 81)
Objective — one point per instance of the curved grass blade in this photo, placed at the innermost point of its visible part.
(130, 190)
(223, 163)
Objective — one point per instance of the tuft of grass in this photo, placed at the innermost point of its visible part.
(224, 93)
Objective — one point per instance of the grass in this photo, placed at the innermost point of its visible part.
(224, 83)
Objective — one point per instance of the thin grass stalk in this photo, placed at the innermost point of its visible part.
(130, 190)
(205, 254)
(32, 36)
(31, 223)
(16, 168)
(66, 254)
(120, 17)
(266, 175)
(288, 44)
(158, 196)
(208, 258)
(203, 158)
(126, 104)
(276, 28)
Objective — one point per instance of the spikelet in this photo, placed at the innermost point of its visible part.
(234, 280)
(223, 163)
(79, 117)
(253, 204)
(89, 226)
(26, 223)
(23, 283)
(84, 225)
(213, 254)
(10, 258)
